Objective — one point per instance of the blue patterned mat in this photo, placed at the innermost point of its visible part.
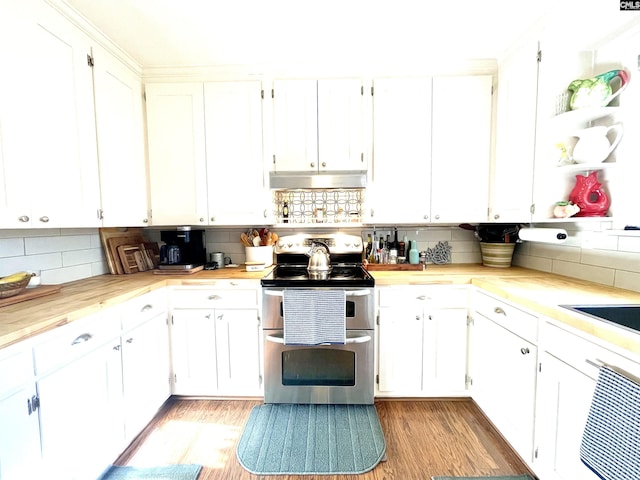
(167, 472)
(311, 439)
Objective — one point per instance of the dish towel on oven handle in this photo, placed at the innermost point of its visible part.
(611, 439)
(312, 317)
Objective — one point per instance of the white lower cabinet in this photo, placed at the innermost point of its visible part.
(503, 365)
(422, 341)
(567, 380)
(145, 368)
(216, 342)
(19, 434)
(79, 382)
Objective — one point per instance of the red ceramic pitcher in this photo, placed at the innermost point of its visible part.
(589, 196)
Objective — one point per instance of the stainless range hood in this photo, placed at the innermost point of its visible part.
(293, 180)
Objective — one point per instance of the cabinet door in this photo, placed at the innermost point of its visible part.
(238, 351)
(564, 402)
(461, 149)
(400, 336)
(445, 351)
(20, 433)
(340, 125)
(145, 370)
(512, 179)
(193, 352)
(20, 437)
(48, 127)
(504, 381)
(177, 161)
(81, 432)
(401, 151)
(233, 119)
(295, 119)
(123, 172)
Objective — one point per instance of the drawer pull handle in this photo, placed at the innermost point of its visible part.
(146, 308)
(525, 350)
(215, 297)
(500, 311)
(421, 297)
(85, 337)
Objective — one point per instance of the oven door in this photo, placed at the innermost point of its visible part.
(320, 374)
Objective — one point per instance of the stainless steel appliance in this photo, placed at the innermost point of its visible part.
(325, 373)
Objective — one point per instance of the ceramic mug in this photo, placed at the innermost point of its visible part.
(219, 260)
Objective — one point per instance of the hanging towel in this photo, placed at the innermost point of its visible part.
(312, 317)
(611, 439)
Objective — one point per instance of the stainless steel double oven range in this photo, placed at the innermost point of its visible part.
(325, 373)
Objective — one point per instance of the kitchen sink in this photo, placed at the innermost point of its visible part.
(627, 316)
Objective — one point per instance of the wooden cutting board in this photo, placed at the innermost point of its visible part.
(178, 272)
(112, 238)
(131, 259)
(29, 293)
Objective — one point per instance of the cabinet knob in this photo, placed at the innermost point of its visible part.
(264, 213)
(116, 348)
(324, 164)
(437, 217)
(496, 216)
(524, 350)
(417, 317)
(421, 297)
(498, 310)
(44, 219)
(130, 340)
(371, 213)
(213, 219)
(23, 218)
(312, 165)
(146, 220)
(201, 219)
(426, 217)
(215, 297)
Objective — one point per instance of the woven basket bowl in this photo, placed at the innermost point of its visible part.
(13, 288)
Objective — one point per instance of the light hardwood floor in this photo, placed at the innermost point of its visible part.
(423, 437)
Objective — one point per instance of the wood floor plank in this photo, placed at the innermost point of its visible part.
(423, 437)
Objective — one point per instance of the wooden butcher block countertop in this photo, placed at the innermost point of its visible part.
(539, 291)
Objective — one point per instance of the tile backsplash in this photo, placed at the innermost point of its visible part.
(60, 255)
(590, 253)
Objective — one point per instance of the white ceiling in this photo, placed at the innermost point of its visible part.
(242, 32)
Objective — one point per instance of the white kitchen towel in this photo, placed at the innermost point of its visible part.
(312, 317)
(611, 439)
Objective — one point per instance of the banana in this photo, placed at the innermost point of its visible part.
(15, 277)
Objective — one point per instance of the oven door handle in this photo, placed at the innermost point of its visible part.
(349, 293)
(279, 338)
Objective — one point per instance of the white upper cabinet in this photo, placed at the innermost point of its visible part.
(233, 119)
(120, 131)
(461, 148)
(512, 181)
(177, 159)
(48, 125)
(341, 125)
(401, 151)
(318, 125)
(295, 124)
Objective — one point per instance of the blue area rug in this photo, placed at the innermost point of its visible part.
(167, 472)
(311, 439)
(504, 477)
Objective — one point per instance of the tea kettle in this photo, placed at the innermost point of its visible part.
(319, 260)
(593, 146)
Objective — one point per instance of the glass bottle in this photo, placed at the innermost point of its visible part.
(414, 255)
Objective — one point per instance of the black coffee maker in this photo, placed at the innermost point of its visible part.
(183, 249)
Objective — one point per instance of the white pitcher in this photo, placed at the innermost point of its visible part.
(593, 145)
